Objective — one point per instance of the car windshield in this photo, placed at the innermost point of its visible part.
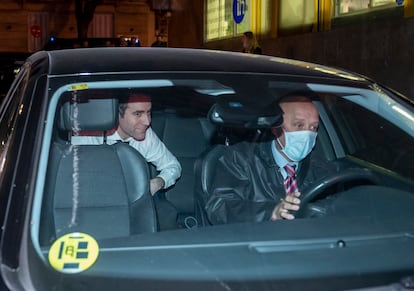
(87, 183)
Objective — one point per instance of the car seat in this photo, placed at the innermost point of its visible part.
(205, 169)
(101, 190)
(187, 138)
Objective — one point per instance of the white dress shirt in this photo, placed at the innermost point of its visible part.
(151, 148)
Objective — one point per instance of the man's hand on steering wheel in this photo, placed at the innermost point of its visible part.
(285, 206)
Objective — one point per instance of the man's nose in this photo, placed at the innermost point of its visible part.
(147, 120)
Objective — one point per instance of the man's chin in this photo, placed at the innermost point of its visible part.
(140, 137)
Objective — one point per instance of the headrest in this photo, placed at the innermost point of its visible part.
(91, 114)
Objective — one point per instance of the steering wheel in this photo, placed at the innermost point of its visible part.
(318, 187)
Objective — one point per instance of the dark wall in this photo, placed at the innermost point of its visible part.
(381, 50)
(186, 25)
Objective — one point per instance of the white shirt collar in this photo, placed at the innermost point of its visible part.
(115, 137)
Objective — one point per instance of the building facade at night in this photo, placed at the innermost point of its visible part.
(371, 37)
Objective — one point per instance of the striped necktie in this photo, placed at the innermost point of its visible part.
(291, 185)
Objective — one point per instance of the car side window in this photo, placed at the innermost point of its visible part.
(370, 137)
(9, 116)
(9, 112)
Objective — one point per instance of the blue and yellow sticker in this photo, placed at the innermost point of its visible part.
(73, 253)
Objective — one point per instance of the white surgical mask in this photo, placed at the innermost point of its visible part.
(298, 144)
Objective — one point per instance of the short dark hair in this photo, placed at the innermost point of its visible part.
(121, 108)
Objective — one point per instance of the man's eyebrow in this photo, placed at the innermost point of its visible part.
(141, 111)
(303, 120)
(296, 119)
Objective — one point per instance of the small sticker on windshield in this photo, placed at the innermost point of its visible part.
(78, 87)
(73, 253)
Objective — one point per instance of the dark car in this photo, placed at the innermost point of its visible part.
(80, 217)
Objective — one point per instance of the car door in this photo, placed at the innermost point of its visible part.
(19, 129)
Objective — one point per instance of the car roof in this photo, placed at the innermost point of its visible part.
(126, 59)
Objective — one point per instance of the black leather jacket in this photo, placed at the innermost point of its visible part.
(247, 184)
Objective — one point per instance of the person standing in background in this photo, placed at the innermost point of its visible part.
(250, 44)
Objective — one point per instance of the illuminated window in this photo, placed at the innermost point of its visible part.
(350, 6)
(265, 16)
(220, 22)
(296, 14)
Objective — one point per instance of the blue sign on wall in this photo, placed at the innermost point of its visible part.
(400, 2)
(239, 9)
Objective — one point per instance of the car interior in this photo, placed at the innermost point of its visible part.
(195, 127)
(117, 193)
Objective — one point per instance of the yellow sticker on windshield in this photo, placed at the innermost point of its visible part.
(77, 87)
(73, 253)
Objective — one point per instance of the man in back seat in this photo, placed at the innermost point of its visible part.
(134, 129)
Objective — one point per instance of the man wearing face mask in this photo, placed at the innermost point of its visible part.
(262, 181)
